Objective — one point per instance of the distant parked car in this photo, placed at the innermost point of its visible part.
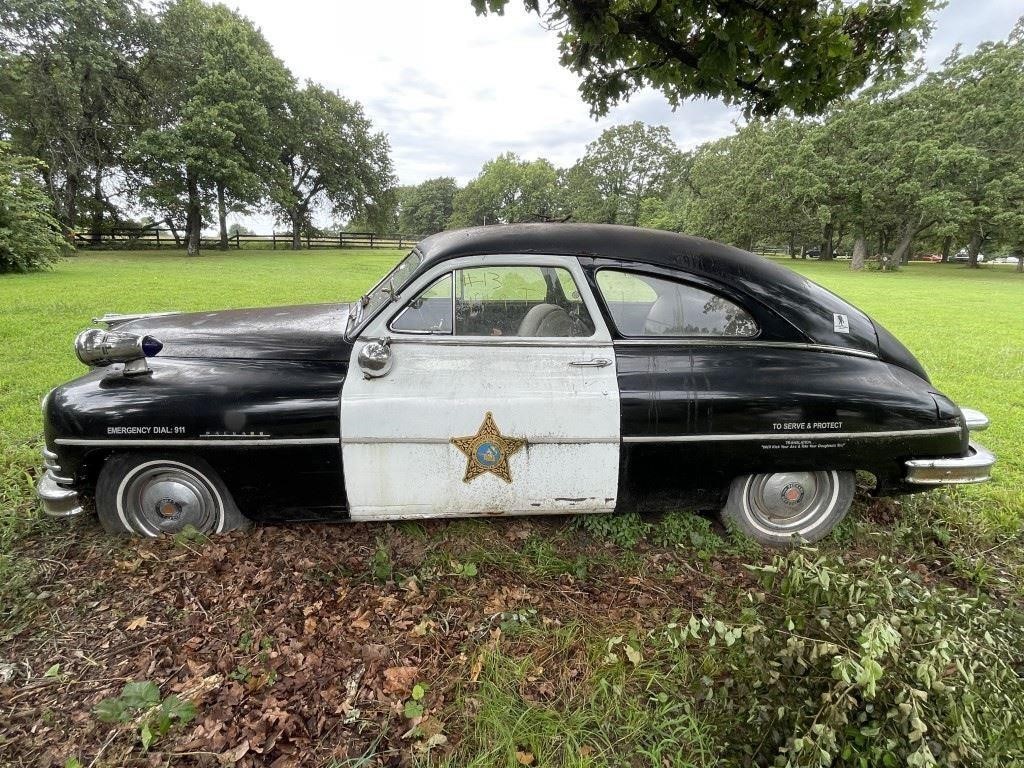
(962, 256)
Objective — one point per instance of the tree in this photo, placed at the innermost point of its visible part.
(508, 190)
(621, 169)
(978, 101)
(30, 237)
(217, 90)
(329, 155)
(71, 95)
(766, 57)
(426, 207)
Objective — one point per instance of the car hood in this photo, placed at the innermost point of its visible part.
(306, 332)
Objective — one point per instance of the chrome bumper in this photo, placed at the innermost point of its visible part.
(975, 467)
(57, 501)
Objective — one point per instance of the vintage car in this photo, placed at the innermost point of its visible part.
(509, 370)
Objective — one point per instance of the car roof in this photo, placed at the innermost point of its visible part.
(651, 246)
(808, 306)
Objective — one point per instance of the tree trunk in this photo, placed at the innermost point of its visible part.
(222, 216)
(97, 212)
(296, 218)
(860, 251)
(947, 243)
(71, 202)
(792, 245)
(174, 230)
(194, 218)
(903, 246)
(826, 244)
(973, 249)
(1020, 263)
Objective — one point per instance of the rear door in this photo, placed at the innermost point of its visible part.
(501, 398)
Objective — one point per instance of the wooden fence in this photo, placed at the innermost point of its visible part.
(165, 238)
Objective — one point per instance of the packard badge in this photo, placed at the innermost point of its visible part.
(488, 451)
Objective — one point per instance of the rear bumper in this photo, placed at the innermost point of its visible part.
(57, 500)
(975, 467)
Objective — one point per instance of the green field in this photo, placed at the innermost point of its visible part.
(535, 642)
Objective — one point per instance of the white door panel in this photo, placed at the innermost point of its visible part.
(396, 431)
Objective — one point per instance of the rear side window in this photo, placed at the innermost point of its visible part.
(643, 305)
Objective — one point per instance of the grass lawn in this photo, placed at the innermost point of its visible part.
(604, 641)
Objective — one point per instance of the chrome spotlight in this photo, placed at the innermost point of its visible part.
(96, 347)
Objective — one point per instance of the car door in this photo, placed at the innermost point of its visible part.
(501, 397)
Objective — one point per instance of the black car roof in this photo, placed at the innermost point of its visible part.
(651, 246)
(808, 306)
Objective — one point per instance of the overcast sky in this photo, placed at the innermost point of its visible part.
(453, 90)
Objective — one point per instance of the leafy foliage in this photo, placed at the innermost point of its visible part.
(933, 161)
(621, 170)
(330, 156)
(507, 191)
(140, 704)
(217, 89)
(426, 207)
(30, 237)
(624, 530)
(800, 55)
(862, 664)
(71, 94)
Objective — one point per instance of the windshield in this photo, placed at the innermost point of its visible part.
(384, 291)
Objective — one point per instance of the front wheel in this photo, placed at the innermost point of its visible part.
(149, 495)
(783, 508)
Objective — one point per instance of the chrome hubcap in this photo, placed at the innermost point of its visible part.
(790, 502)
(164, 498)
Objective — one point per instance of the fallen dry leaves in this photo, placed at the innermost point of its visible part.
(291, 652)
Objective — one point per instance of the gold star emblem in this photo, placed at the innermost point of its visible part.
(488, 451)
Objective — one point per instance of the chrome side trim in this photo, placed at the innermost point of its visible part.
(786, 436)
(112, 318)
(205, 442)
(498, 341)
(976, 420)
(446, 441)
(717, 342)
(57, 501)
(975, 467)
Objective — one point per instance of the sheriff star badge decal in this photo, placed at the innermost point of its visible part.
(488, 451)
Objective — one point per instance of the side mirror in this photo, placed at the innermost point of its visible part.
(375, 358)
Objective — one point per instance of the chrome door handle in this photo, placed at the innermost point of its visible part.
(597, 362)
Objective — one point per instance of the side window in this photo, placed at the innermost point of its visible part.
(642, 305)
(430, 312)
(519, 301)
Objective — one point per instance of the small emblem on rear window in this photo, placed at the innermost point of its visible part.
(840, 323)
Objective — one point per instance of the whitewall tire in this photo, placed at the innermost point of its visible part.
(784, 508)
(149, 495)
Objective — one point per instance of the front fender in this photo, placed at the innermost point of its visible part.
(207, 407)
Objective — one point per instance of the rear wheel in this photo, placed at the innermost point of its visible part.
(783, 508)
(146, 495)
